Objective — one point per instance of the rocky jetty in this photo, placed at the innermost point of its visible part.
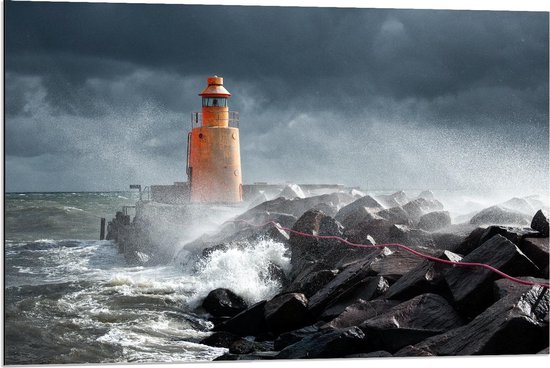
(340, 300)
(368, 296)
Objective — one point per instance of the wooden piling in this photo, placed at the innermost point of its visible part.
(102, 229)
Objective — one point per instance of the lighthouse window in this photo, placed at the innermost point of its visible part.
(214, 101)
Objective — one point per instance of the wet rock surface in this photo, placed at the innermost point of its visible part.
(540, 223)
(434, 220)
(410, 322)
(513, 325)
(223, 302)
(286, 312)
(498, 215)
(470, 286)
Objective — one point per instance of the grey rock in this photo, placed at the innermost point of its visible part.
(410, 322)
(348, 277)
(537, 250)
(427, 277)
(331, 344)
(518, 205)
(435, 220)
(359, 312)
(497, 215)
(366, 289)
(410, 237)
(250, 322)
(220, 339)
(359, 215)
(286, 312)
(374, 354)
(420, 206)
(395, 215)
(366, 201)
(223, 302)
(312, 282)
(470, 286)
(393, 200)
(540, 223)
(513, 325)
(292, 337)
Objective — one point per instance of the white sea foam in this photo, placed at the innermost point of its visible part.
(70, 208)
(244, 271)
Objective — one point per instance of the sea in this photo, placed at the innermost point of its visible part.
(72, 298)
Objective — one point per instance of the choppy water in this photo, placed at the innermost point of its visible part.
(72, 299)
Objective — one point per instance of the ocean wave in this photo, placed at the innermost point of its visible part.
(245, 271)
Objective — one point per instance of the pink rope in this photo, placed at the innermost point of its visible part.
(404, 247)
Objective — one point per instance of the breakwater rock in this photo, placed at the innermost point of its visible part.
(366, 296)
(340, 300)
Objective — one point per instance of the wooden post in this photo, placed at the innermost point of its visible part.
(102, 229)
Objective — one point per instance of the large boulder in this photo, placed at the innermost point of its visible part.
(540, 223)
(250, 322)
(410, 237)
(451, 237)
(514, 234)
(471, 286)
(393, 200)
(336, 252)
(220, 339)
(427, 277)
(361, 311)
(305, 250)
(537, 251)
(223, 302)
(392, 263)
(410, 322)
(435, 220)
(330, 227)
(497, 215)
(481, 234)
(518, 205)
(348, 277)
(395, 215)
(326, 344)
(515, 324)
(286, 312)
(420, 206)
(366, 201)
(312, 282)
(377, 230)
(359, 215)
(329, 209)
(366, 289)
(292, 337)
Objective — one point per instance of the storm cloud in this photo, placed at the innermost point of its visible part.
(99, 95)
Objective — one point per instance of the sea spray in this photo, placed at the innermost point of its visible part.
(244, 270)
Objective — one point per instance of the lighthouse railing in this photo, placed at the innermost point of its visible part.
(232, 118)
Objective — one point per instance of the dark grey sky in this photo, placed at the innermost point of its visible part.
(98, 96)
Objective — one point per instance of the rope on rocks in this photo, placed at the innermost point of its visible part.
(404, 247)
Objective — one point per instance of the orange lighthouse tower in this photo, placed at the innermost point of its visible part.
(213, 153)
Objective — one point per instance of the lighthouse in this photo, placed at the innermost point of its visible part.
(213, 152)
